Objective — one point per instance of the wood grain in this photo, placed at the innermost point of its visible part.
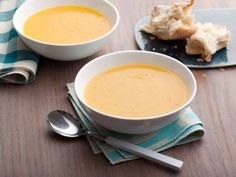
(28, 148)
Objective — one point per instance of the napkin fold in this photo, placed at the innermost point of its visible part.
(18, 64)
(185, 129)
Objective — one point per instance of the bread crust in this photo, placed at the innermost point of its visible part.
(208, 40)
(172, 22)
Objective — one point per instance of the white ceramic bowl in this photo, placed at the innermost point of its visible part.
(124, 124)
(64, 51)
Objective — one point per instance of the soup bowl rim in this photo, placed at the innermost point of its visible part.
(169, 113)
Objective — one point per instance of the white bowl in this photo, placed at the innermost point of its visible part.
(64, 51)
(124, 124)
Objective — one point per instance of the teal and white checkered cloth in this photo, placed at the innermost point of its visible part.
(18, 64)
(186, 129)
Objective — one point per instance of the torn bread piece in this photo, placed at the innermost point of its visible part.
(207, 40)
(172, 22)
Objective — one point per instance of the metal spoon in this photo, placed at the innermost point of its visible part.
(64, 124)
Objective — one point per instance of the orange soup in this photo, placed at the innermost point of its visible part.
(66, 25)
(136, 90)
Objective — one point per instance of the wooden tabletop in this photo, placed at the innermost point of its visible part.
(28, 148)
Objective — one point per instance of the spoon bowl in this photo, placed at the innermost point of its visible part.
(64, 124)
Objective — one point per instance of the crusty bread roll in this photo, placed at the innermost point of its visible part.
(172, 22)
(208, 39)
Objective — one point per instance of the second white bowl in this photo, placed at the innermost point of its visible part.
(64, 51)
(124, 124)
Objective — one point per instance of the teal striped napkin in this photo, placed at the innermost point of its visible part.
(18, 64)
(186, 129)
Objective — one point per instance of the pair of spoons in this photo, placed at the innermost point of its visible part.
(63, 123)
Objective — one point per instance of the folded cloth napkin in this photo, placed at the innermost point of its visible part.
(18, 64)
(185, 129)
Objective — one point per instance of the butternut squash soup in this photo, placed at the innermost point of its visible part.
(136, 90)
(66, 25)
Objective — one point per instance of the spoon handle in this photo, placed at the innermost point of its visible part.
(146, 153)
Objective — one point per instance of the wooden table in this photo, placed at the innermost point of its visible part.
(28, 148)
